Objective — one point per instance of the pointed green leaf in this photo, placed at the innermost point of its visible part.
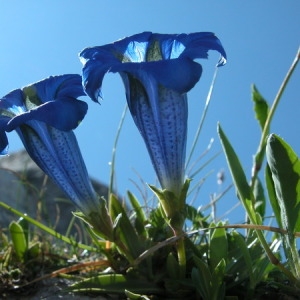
(261, 107)
(172, 266)
(125, 229)
(239, 178)
(218, 286)
(218, 247)
(201, 278)
(243, 247)
(140, 216)
(115, 284)
(134, 296)
(25, 226)
(260, 200)
(272, 196)
(285, 167)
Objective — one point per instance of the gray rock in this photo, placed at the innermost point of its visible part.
(25, 187)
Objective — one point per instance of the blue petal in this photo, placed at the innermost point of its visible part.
(97, 61)
(63, 114)
(48, 89)
(13, 102)
(140, 48)
(180, 74)
(92, 77)
(133, 48)
(198, 44)
(3, 136)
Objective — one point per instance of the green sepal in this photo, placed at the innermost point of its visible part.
(168, 201)
(183, 193)
(100, 221)
(173, 206)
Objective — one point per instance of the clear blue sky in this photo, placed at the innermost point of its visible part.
(39, 39)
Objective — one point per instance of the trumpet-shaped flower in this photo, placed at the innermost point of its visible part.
(44, 114)
(157, 71)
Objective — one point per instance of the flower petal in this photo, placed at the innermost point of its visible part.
(3, 137)
(132, 53)
(181, 74)
(63, 114)
(12, 103)
(68, 85)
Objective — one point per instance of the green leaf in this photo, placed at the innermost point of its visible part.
(260, 200)
(25, 226)
(140, 216)
(34, 250)
(239, 178)
(218, 286)
(261, 107)
(134, 296)
(116, 284)
(18, 239)
(285, 168)
(272, 196)
(172, 266)
(124, 228)
(202, 278)
(218, 247)
(243, 247)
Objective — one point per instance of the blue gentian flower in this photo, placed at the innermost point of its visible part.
(44, 114)
(157, 70)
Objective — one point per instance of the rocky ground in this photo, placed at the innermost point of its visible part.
(49, 289)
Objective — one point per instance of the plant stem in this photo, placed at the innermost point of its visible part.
(259, 156)
(113, 159)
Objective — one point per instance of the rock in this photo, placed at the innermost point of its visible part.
(25, 187)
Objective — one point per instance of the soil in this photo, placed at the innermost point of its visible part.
(49, 289)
